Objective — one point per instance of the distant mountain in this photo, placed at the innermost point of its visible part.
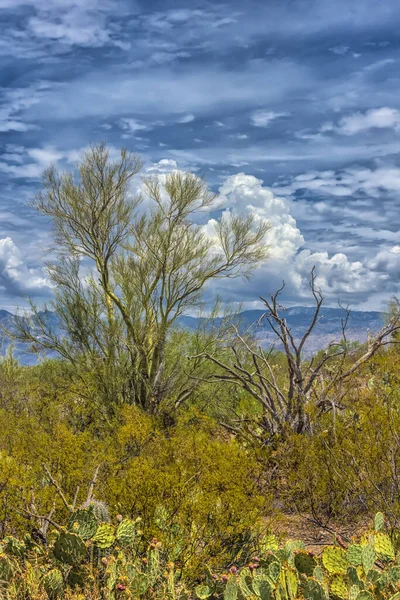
(328, 329)
(298, 318)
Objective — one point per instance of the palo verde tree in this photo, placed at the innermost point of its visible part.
(124, 273)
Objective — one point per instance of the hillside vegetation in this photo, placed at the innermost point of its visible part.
(155, 461)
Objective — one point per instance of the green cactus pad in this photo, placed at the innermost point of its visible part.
(313, 590)
(291, 583)
(139, 585)
(304, 563)
(53, 583)
(379, 521)
(104, 536)
(78, 577)
(274, 571)
(364, 596)
(203, 592)
(318, 573)
(384, 547)
(368, 557)
(6, 568)
(231, 589)
(84, 523)
(394, 575)
(354, 554)
(14, 547)
(353, 576)
(126, 532)
(372, 576)
(334, 560)
(262, 587)
(354, 592)
(245, 580)
(69, 548)
(338, 588)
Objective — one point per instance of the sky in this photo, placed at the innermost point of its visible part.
(289, 108)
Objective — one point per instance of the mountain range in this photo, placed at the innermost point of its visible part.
(328, 329)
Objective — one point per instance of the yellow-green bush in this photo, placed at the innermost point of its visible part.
(192, 476)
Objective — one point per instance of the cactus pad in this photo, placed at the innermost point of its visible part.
(104, 536)
(84, 523)
(231, 589)
(364, 596)
(334, 560)
(305, 563)
(53, 583)
(203, 592)
(338, 588)
(274, 571)
(354, 555)
(6, 568)
(379, 522)
(291, 583)
(368, 557)
(69, 548)
(14, 547)
(313, 590)
(126, 532)
(384, 547)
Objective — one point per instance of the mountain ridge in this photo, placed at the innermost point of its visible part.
(328, 328)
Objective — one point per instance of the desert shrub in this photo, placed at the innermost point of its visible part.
(350, 465)
(195, 487)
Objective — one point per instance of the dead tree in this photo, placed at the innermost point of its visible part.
(319, 384)
(41, 522)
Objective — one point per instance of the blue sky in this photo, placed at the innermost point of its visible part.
(290, 108)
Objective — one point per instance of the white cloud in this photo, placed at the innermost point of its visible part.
(84, 23)
(370, 181)
(262, 118)
(14, 101)
(376, 118)
(186, 118)
(133, 125)
(16, 277)
(291, 260)
(341, 50)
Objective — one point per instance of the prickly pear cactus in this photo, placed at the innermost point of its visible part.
(334, 560)
(14, 547)
(69, 548)
(305, 563)
(313, 590)
(53, 583)
(383, 546)
(84, 523)
(7, 568)
(368, 557)
(354, 554)
(379, 522)
(104, 537)
(126, 533)
(338, 588)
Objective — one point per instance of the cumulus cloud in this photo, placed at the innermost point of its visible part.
(262, 118)
(291, 260)
(375, 118)
(16, 277)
